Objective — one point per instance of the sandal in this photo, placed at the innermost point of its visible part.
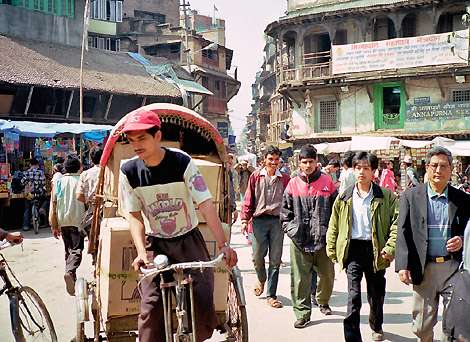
(273, 302)
(258, 290)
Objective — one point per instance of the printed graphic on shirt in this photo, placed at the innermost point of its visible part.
(165, 194)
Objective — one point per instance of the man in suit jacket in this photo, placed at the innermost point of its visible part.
(431, 226)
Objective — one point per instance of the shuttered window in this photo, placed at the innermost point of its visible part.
(328, 115)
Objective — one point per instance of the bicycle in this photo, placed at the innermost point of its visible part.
(35, 205)
(185, 328)
(30, 320)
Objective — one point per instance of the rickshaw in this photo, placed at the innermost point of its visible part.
(112, 297)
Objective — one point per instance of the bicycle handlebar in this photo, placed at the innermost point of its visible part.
(183, 266)
(5, 245)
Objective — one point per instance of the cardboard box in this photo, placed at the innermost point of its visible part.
(117, 281)
(221, 276)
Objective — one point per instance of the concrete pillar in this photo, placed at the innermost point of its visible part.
(299, 48)
(396, 23)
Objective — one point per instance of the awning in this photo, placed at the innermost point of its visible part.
(49, 129)
(415, 143)
(193, 87)
(197, 68)
(337, 147)
(457, 148)
(167, 73)
(360, 143)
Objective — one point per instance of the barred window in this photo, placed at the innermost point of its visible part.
(462, 95)
(328, 115)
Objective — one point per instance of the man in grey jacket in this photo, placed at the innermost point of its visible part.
(431, 225)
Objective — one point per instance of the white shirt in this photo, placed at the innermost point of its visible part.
(346, 179)
(88, 182)
(69, 210)
(361, 215)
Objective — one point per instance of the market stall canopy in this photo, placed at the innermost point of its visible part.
(337, 147)
(368, 143)
(49, 129)
(415, 143)
(457, 148)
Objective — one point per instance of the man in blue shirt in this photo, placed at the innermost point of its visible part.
(431, 225)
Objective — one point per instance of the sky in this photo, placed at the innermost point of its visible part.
(245, 21)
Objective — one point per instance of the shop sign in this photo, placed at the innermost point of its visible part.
(222, 127)
(424, 100)
(438, 111)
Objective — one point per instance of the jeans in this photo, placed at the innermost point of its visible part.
(359, 263)
(267, 236)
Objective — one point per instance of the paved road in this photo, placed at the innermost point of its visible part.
(41, 263)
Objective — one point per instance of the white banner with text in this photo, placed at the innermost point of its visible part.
(400, 53)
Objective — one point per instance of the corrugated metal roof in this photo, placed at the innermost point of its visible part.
(58, 66)
(342, 5)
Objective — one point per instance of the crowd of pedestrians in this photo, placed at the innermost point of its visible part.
(362, 222)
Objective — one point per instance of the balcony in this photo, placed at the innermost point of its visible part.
(315, 66)
(428, 54)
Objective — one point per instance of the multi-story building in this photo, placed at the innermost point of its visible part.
(395, 68)
(102, 27)
(198, 45)
(40, 63)
(107, 15)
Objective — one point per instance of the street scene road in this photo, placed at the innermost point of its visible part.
(40, 265)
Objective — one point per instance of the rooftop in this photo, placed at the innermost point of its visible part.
(58, 66)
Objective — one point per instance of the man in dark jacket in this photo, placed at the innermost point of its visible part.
(431, 225)
(306, 209)
(455, 322)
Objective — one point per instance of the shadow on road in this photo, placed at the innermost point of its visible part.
(397, 338)
(341, 298)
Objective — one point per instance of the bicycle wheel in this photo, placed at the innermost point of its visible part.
(235, 314)
(35, 214)
(31, 319)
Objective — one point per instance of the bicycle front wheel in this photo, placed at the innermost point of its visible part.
(35, 215)
(31, 319)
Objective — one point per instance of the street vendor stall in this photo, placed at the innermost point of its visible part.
(48, 143)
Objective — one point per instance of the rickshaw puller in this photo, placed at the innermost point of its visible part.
(162, 184)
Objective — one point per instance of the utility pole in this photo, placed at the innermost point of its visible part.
(185, 5)
(86, 19)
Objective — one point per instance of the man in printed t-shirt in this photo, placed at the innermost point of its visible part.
(163, 184)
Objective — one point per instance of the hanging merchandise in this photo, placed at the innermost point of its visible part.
(44, 148)
(4, 179)
(11, 142)
(63, 146)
